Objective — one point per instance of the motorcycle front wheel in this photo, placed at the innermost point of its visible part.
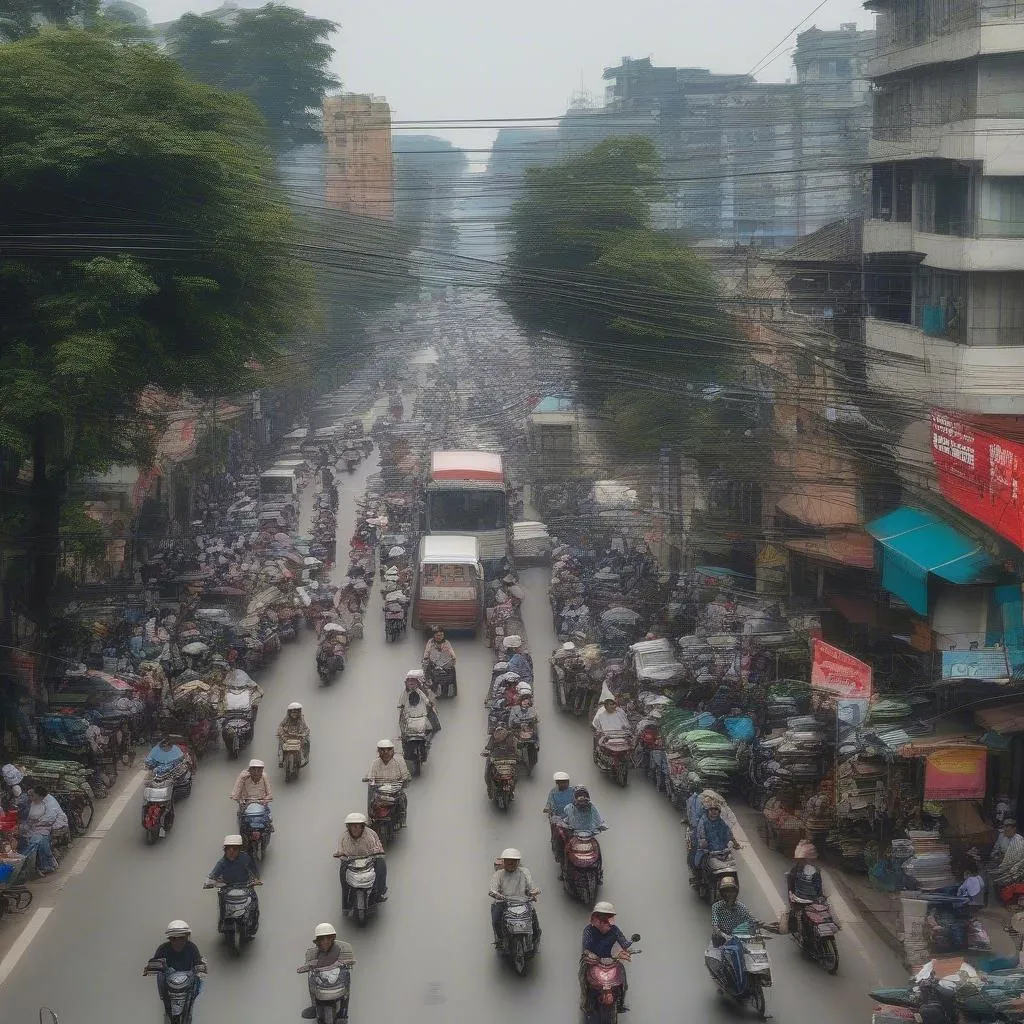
(414, 766)
(757, 1000)
(829, 954)
(236, 941)
(256, 850)
(622, 774)
(326, 1013)
(359, 913)
(152, 835)
(519, 960)
(501, 800)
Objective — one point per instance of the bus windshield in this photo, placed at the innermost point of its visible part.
(469, 511)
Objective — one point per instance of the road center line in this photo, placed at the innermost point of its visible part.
(751, 859)
(24, 940)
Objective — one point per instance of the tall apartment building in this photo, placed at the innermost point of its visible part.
(359, 176)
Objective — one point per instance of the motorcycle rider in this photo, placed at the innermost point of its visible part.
(501, 746)
(237, 870)
(253, 787)
(359, 840)
(525, 714)
(600, 937)
(179, 953)
(293, 726)
(560, 795)
(728, 913)
(609, 718)
(166, 752)
(415, 683)
(326, 951)
(580, 816)
(517, 661)
(439, 653)
(388, 766)
(511, 881)
(713, 834)
(803, 882)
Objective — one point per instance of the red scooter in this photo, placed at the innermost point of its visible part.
(606, 988)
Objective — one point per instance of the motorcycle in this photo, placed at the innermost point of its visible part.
(181, 988)
(394, 621)
(157, 809)
(291, 752)
(612, 755)
(383, 812)
(416, 738)
(503, 783)
(529, 747)
(330, 659)
(580, 871)
(288, 624)
(605, 987)
(238, 913)
(716, 866)
(441, 679)
(236, 731)
(254, 825)
(816, 935)
(741, 968)
(516, 939)
(359, 887)
(330, 988)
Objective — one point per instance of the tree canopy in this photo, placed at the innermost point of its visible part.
(278, 56)
(644, 312)
(22, 18)
(146, 244)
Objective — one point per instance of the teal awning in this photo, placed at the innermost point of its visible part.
(914, 543)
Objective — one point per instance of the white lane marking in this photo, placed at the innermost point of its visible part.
(92, 840)
(751, 859)
(845, 915)
(21, 944)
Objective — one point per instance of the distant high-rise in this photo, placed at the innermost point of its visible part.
(359, 175)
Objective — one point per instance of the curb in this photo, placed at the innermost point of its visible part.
(869, 916)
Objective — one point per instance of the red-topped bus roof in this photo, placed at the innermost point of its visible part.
(466, 466)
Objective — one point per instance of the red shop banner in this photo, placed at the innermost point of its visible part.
(955, 773)
(980, 473)
(836, 672)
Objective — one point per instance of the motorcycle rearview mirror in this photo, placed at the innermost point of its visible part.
(635, 937)
(48, 1016)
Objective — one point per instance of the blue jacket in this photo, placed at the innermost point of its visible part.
(716, 834)
(520, 664)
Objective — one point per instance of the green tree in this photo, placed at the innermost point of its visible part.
(277, 56)
(22, 18)
(644, 312)
(145, 245)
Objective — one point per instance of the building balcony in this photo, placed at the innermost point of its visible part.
(994, 36)
(904, 361)
(997, 143)
(945, 252)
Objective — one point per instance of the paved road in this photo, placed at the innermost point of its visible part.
(427, 954)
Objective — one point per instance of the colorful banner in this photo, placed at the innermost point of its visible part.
(838, 673)
(980, 473)
(956, 773)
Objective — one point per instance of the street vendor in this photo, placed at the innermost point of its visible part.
(1008, 860)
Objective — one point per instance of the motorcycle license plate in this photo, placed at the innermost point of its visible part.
(254, 835)
(826, 929)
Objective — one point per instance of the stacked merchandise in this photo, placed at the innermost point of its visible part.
(692, 747)
(787, 698)
(930, 864)
(799, 755)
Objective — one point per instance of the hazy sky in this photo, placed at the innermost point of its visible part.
(452, 60)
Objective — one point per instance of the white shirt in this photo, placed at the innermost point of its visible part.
(516, 885)
(611, 721)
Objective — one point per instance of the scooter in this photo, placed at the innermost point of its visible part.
(416, 737)
(157, 810)
(605, 987)
(716, 866)
(394, 621)
(612, 753)
(816, 935)
(181, 988)
(236, 732)
(503, 783)
(580, 873)
(383, 812)
(330, 988)
(516, 939)
(291, 753)
(529, 747)
(239, 913)
(441, 680)
(359, 887)
(254, 825)
(741, 968)
(330, 659)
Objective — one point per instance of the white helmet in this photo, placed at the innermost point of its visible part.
(385, 745)
(176, 929)
(416, 673)
(524, 689)
(294, 706)
(323, 930)
(355, 818)
(233, 841)
(568, 646)
(561, 776)
(511, 854)
(512, 642)
(604, 907)
(256, 763)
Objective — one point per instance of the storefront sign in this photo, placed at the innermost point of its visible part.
(836, 672)
(956, 773)
(980, 473)
(987, 663)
